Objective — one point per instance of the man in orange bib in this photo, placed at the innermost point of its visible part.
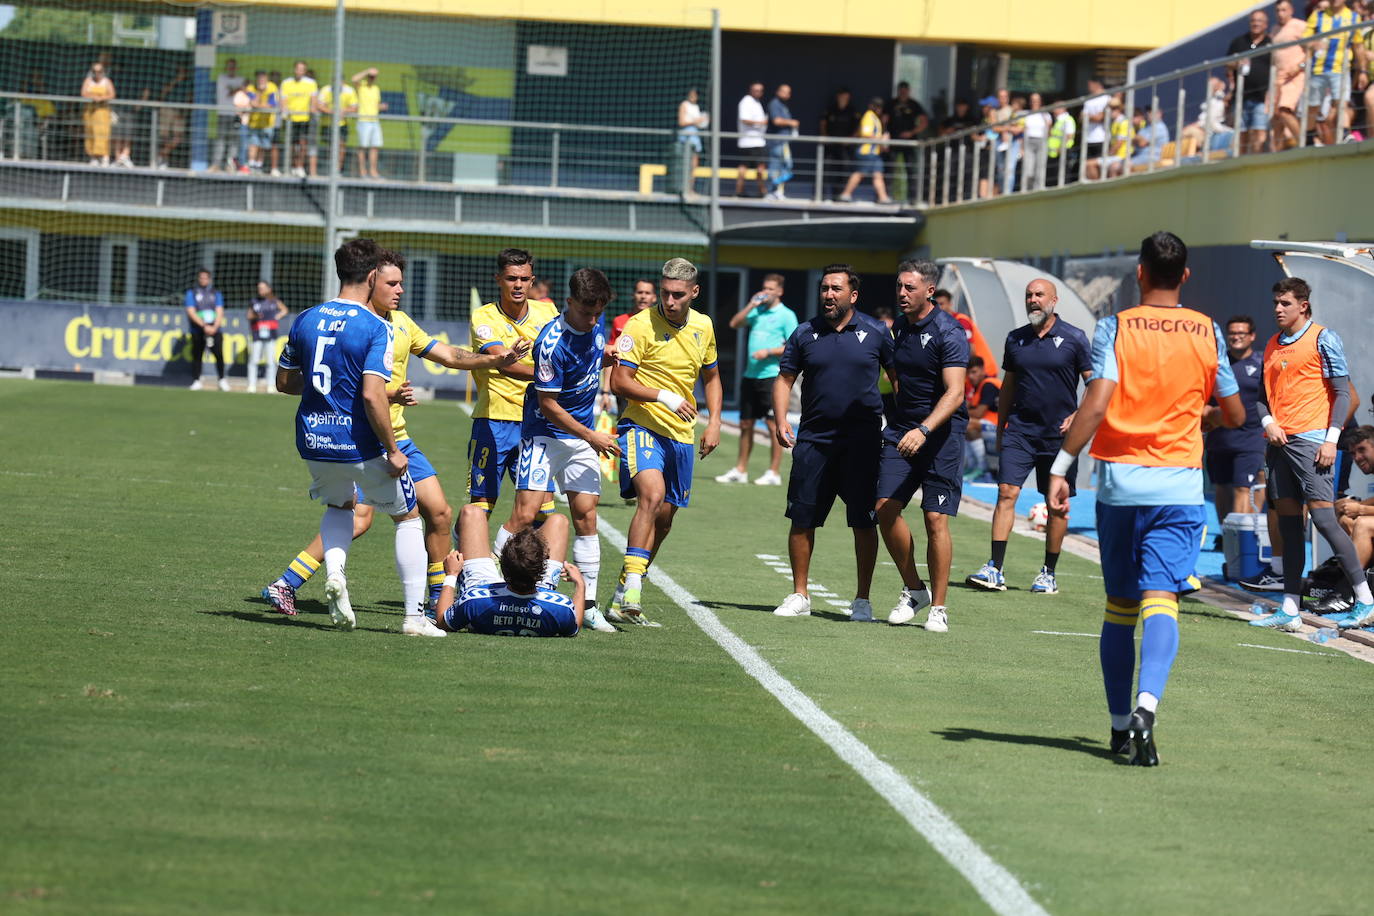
(1154, 367)
(1304, 400)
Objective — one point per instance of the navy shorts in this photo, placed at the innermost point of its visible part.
(847, 468)
(420, 468)
(493, 452)
(1148, 548)
(1021, 454)
(1226, 468)
(937, 470)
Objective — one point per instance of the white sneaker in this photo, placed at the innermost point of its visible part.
(253, 389)
(769, 478)
(340, 610)
(938, 621)
(909, 605)
(420, 625)
(298, 172)
(597, 621)
(794, 605)
(196, 385)
(734, 475)
(276, 173)
(861, 610)
(224, 384)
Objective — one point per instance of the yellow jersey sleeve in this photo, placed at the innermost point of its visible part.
(667, 358)
(498, 396)
(409, 338)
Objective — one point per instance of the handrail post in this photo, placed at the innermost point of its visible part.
(152, 139)
(554, 146)
(1238, 114)
(1178, 130)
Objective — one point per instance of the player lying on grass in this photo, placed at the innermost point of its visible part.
(519, 598)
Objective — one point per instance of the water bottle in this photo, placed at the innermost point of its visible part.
(1324, 635)
(1261, 610)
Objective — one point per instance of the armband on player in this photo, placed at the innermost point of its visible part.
(1266, 420)
(1062, 462)
(450, 581)
(1333, 434)
(669, 400)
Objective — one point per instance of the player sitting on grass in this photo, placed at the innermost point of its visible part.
(519, 599)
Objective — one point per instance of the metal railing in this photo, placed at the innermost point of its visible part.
(991, 159)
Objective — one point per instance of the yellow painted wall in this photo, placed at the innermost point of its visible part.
(1301, 194)
(1065, 24)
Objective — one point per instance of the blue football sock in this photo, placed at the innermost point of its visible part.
(1158, 643)
(1116, 650)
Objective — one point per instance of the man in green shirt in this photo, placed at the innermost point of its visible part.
(770, 323)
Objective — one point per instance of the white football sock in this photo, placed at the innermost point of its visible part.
(1276, 564)
(587, 558)
(1291, 604)
(1148, 701)
(502, 536)
(1363, 595)
(412, 564)
(336, 533)
(553, 574)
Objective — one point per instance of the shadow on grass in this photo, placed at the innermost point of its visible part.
(267, 615)
(1080, 744)
(768, 609)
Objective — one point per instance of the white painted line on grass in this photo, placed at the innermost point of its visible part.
(1057, 633)
(1250, 645)
(997, 886)
(843, 604)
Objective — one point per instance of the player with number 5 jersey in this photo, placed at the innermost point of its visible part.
(339, 358)
(662, 352)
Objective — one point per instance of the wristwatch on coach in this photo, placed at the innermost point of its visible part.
(925, 430)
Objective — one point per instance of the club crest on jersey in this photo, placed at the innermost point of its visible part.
(861, 335)
(484, 330)
(1250, 370)
(925, 339)
(625, 344)
(941, 497)
(546, 373)
(1057, 342)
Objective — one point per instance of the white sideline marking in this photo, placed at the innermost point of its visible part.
(997, 886)
(843, 604)
(768, 556)
(1057, 633)
(1250, 645)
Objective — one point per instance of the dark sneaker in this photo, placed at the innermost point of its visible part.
(282, 597)
(1142, 735)
(1120, 742)
(1335, 603)
(1266, 581)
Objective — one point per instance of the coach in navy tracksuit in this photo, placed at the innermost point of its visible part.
(839, 355)
(923, 445)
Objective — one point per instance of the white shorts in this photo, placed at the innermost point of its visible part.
(369, 134)
(478, 572)
(332, 482)
(571, 464)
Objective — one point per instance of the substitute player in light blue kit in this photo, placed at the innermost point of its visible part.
(1154, 365)
(558, 440)
(519, 598)
(344, 431)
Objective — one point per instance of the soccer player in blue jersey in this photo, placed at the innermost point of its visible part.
(559, 444)
(923, 444)
(434, 509)
(517, 600)
(344, 432)
(1155, 365)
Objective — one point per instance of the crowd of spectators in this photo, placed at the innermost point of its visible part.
(255, 120)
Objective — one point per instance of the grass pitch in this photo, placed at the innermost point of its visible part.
(170, 746)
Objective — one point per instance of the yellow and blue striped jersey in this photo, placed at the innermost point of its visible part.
(500, 397)
(409, 339)
(667, 357)
(1123, 132)
(1329, 56)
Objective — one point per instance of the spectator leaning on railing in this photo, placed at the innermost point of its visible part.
(906, 120)
(1290, 78)
(1035, 131)
(1095, 121)
(1254, 116)
(1327, 65)
(1211, 119)
(780, 121)
(226, 118)
(841, 119)
(870, 158)
(98, 90)
(1060, 146)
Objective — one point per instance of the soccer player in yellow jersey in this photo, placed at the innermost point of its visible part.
(496, 327)
(434, 508)
(662, 351)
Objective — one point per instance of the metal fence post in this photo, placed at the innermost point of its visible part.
(554, 145)
(1239, 112)
(1178, 130)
